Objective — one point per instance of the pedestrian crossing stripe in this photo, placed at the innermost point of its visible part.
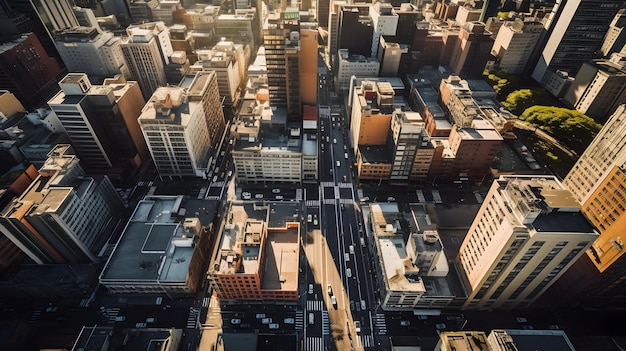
(365, 340)
(314, 343)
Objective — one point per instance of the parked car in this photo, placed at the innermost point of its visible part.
(333, 300)
(276, 191)
(274, 326)
(310, 288)
(235, 321)
(289, 321)
(405, 323)
(151, 320)
(329, 288)
(141, 325)
(440, 326)
(260, 315)
(266, 321)
(258, 196)
(357, 326)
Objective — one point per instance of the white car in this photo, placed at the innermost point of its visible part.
(289, 321)
(405, 323)
(333, 300)
(357, 326)
(266, 321)
(258, 196)
(310, 288)
(330, 289)
(246, 196)
(235, 321)
(274, 326)
(260, 315)
(276, 191)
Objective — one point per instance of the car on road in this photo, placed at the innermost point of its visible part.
(391, 198)
(311, 318)
(309, 218)
(260, 315)
(405, 323)
(357, 326)
(521, 320)
(422, 317)
(440, 326)
(345, 179)
(346, 257)
(120, 318)
(266, 321)
(351, 248)
(258, 196)
(289, 321)
(151, 320)
(274, 326)
(363, 307)
(333, 300)
(348, 273)
(141, 325)
(315, 221)
(276, 191)
(235, 321)
(279, 197)
(329, 288)
(310, 288)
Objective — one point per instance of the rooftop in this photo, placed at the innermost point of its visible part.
(157, 243)
(464, 341)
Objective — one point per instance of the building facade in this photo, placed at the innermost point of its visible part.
(354, 65)
(527, 233)
(514, 44)
(61, 217)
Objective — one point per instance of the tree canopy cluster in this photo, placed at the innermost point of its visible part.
(574, 128)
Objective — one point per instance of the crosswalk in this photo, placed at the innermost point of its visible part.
(325, 323)
(218, 184)
(327, 184)
(299, 325)
(366, 340)
(314, 305)
(314, 343)
(346, 201)
(85, 302)
(312, 203)
(380, 323)
(206, 301)
(329, 201)
(420, 196)
(192, 318)
(437, 197)
(345, 185)
(111, 313)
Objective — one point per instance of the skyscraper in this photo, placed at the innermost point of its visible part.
(528, 231)
(146, 53)
(575, 32)
(598, 181)
(101, 122)
(61, 216)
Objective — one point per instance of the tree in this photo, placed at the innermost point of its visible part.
(521, 99)
(569, 126)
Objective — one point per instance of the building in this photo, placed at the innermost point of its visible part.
(467, 13)
(308, 66)
(9, 105)
(513, 339)
(101, 123)
(27, 71)
(463, 340)
(598, 182)
(384, 22)
(575, 31)
(322, 8)
(281, 38)
(61, 217)
(141, 10)
(408, 16)
(411, 266)
(392, 57)
(182, 126)
(239, 28)
(470, 54)
(352, 65)
(616, 35)
(160, 251)
(354, 22)
(146, 52)
(527, 233)
(598, 88)
(257, 256)
(514, 45)
(267, 149)
(412, 154)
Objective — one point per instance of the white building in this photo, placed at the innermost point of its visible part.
(514, 44)
(354, 65)
(146, 52)
(527, 233)
(181, 125)
(87, 50)
(384, 21)
(61, 217)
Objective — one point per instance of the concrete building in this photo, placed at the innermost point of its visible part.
(182, 126)
(527, 233)
(384, 22)
(575, 31)
(467, 13)
(411, 265)
(514, 45)
(354, 22)
(27, 71)
(257, 255)
(90, 51)
(598, 182)
(141, 10)
(101, 123)
(160, 251)
(353, 65)
(598, 88)
(61, 217)
(239, 28)
(391, 56)
(146, 52)
(463, 340)
(412, 151)
(514, 339)
(308, 66)
(616, 35)
(408, 16)
(9, 105)
(469, 56)
(267, 149)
